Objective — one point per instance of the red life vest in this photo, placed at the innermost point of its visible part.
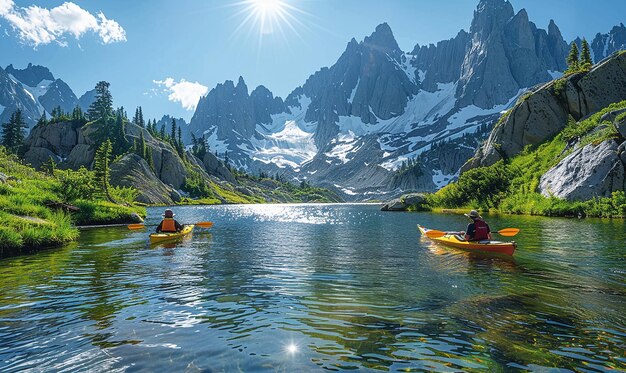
(481, 230)
(168, 225)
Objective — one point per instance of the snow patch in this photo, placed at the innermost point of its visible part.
(289, 146)
(346, 144)
(440, 179)
(347, 191)
(354, 90)
(425, 108)
(214, 144)
(408, 69)
(421, 74)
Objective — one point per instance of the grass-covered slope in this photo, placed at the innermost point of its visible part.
(32, 206)
(512, 186)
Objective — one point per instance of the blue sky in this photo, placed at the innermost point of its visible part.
(135, 43)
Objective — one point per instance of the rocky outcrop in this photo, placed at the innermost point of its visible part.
(133, 171)
(545, 112)
(215, 167)
(590, 171)
(404, 202)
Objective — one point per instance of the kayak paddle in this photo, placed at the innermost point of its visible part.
(202, 224)
(506, 232)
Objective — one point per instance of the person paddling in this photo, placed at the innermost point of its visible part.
(168, 224)
(478, 229)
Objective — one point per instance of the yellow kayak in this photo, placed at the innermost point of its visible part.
(452, 240)
(160, 237)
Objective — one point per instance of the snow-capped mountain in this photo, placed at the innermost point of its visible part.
(381, 119)
(35, 91)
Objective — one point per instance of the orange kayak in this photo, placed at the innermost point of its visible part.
(456, 241)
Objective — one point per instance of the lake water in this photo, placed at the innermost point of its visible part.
(296, 288)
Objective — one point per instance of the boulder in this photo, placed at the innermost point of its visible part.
(590, 171)
(403, 203)
(81, 155)
(133, 171)
(36, 156)
(175, 195)
(215, 167)
(59, 137)
(136, 218)
(611, 115)
(172, 170)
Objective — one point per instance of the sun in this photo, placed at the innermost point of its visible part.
(269, 18)
(268, 6)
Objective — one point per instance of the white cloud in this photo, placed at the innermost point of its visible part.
(36, 25)
(187, 93)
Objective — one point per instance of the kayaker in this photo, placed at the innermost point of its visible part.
(478, 229)
(168, 224)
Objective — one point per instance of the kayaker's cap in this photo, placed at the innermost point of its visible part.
(168, 214)
(473, 215)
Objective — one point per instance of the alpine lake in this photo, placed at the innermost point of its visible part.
(299, 288)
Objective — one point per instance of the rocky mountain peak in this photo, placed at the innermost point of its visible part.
(31, 75)
(382, 39)
(490, 15)
(603, 45)
(553, 30)
(241, 86)
(618, 28)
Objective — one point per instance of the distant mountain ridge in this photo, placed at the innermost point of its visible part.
(352, 126)
(34, 90)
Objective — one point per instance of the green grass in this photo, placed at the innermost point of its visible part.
(31, 221)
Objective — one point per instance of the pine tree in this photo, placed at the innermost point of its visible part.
(136, 117)
(572, 58)
(585, 55)
(149, 158)
(142, 144)
(43, 120)
(141, 123)
(13, 132)
(180, 138)
(173, 132)
(101, 168)
(118, 135)
(102, 107)
(49, 166)
(77, 114)
(162, 132)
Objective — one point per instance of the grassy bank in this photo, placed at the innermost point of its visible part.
(36, 207)
(512, 186)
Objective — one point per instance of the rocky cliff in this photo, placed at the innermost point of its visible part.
(545, 111)
(585, 113)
